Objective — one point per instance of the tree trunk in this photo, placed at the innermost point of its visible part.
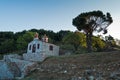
(76, 47)
(89, 41)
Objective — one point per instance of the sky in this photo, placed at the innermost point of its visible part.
(55, 15)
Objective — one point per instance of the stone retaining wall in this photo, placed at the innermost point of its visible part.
(13, 66)
(5, 72)
(34, 57)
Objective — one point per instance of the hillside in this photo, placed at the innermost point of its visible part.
(101, 66)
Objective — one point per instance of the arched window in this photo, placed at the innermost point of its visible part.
(38, 46)
(51, 48)
(30, 47)
(33, 48)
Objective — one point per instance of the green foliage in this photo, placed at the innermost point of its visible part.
(42, 32)
(90, 22)
(67, 47)
(98, 44)
(1, 57)
(6, 42)
(110, 42)
(5, 35)
(21, 39)
(67, 40)
(60, 35)
(76, 39)
(24, 39)
(81, 50)
(7, 46)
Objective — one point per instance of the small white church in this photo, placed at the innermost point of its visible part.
(15, 66)
(38, 50)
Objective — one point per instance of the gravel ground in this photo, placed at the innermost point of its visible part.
(89, 66)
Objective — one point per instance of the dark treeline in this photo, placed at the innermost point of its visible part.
(67, 40)
(17, 42)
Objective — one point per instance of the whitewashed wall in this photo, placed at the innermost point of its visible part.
(35, 42)
(44, 48)
(54, 52)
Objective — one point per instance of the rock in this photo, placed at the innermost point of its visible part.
(8, 57)
(91, 78)
(115, 75)
(14, 69)
(12, 66)
(5, 73)
(25, 66)
(34, 57)
(65, 71)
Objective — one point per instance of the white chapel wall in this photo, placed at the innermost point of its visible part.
(54, 52)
